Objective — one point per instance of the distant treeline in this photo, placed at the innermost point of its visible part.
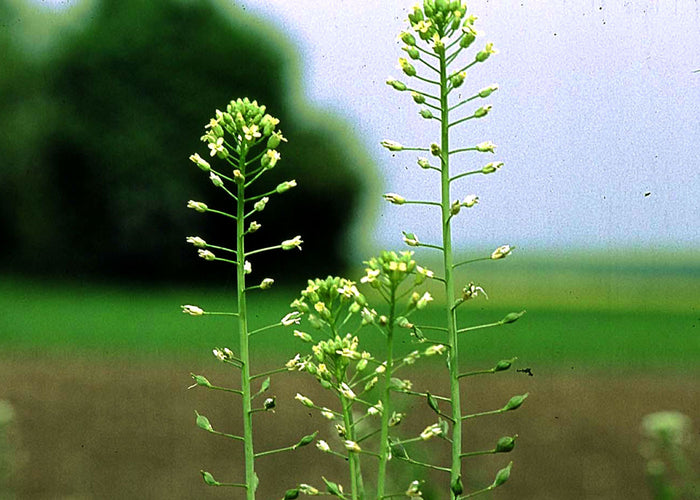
(97, 129)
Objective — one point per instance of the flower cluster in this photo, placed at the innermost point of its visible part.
(248, 124)
(324, 300)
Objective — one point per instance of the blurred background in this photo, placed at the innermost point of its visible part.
(102, 102)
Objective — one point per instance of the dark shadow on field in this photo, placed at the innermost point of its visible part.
(125, 429)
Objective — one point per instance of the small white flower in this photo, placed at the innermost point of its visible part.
(326, 413)
(247, 267)
(254, 226)
(423, 301)
(197, 241)
(435, 349)
(307, 489)
(197, 206)
(394, 198)
(267, 283)
(219, 354)
(192, 310)
(501, 252)
(486, 147)
(206, 255)
(293, 243)
(293, 318)
(216, 180)
(304, 400)
(392, 145)
(217, 147)
(470, 201)
(371, 276)
(346, 391)
(259, 205)
(431, 431)
(352, 446)
(251, 132)
(323, 446)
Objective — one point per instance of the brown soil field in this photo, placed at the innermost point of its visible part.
(124, 429)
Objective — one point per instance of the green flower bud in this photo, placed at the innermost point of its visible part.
(400, 86)
(203, 422)
(196, 241)
(458, 79)
(407, 38)
(394, 198)
(209, 479)
(435, 149)
(418, 98)
(455, 207)
(502, 475)
(412, 52)
(391, 145)
(481, 56)
(488, 90)
(407, 67)
(416, 16)
(490, 168)
(286, 186)
(266, 284)
(423, 163)
(468, 36)
(254, 226)
(198, 206)
(238, 177)
(259, 205)
(441, 6)
(426, 113)
(482, 111)
(270, 158)
(216, 180)
(200, 162)
(304, 400)
(206, 255)
(506, 444)
(291, 494)
(515, 402)
(274, 140)
(410, 239)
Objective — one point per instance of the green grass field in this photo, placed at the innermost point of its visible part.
(631, 313)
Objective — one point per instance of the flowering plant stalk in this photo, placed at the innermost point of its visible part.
(245, 139)
(351, 374)
(439, 32)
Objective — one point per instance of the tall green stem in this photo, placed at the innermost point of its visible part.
(249, 451)
(449, 279)
(386, 400)
(353, 458)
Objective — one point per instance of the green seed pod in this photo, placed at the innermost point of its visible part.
(332, 487)
(458, 79)
(456, 486)
(511, 317)
(209, 479)
(200, 380)
(505, 444)
(502, 475)
(442, 6)
(203, 422)
(291, 494)
(482, 111)
(426, 113)
(418, 98)
(503, 365)
(515, 402)
(306, 440)
(397, 450)
(432, 402)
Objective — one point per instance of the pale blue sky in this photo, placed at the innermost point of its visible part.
(598, 105)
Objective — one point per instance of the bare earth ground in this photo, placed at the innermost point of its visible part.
(103, 429)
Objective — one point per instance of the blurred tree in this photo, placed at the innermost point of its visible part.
(97, 131)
